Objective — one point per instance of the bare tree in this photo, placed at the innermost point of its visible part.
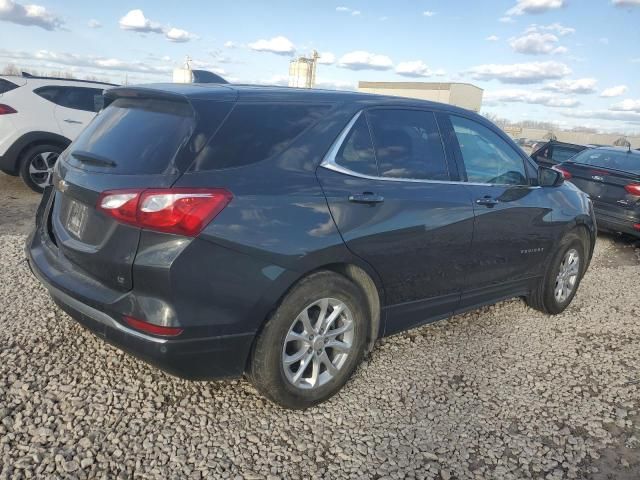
(10, 69)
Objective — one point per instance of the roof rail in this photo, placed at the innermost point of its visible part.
(38, 77)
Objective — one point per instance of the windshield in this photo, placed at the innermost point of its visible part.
(616, 160)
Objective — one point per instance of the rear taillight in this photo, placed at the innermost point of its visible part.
(565, 173)
(147, 327)
(183, 211)
(6, 109)
(636, 226)
(633, 189)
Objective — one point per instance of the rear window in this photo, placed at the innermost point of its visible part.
(255, 132)
(141, 136)
(622, 160)
(6, 86)
(77, 98)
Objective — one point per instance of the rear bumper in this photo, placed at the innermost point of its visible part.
(207, 358)
(622, 224)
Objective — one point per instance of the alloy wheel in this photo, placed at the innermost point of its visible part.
(567, 275)
(318, 343)
(41, 168)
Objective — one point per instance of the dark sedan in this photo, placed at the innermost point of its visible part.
(611, 177)
(554, 152)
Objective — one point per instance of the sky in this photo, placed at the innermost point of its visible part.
(572, 62)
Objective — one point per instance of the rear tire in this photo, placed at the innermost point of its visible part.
(556, 289)
(36, 166)
(298, 363)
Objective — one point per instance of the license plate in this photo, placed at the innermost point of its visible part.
(77, 218)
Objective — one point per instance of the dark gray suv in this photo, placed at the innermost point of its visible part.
(217, 231)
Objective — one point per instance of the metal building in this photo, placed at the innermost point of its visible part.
(302, 71)
(462, 95)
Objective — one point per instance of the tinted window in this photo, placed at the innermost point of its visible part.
(78, 98)
(255, 132)
(6, 85)
(487, 157)
(560, 154)
(356, 152)
(139, 135)
(408, 144)
(616, 160)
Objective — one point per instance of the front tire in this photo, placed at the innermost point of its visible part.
(36, 166)
(312, 343)
(557, 288)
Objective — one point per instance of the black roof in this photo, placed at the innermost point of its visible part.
(273, 93)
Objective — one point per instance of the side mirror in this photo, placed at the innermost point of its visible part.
(548, 177)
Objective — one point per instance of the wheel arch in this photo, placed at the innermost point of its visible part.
(14, 155)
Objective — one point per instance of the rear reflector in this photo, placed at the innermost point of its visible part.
(6, 109)
(565, 173)
(183, 211)
(151, 328)
(633, 189)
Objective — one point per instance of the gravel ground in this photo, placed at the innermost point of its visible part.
(503, 392)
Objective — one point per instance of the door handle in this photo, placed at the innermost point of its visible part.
(366, 197)
(487, 201)
(68, 120)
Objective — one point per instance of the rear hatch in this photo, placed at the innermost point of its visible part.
(144, 138)
(606, 175)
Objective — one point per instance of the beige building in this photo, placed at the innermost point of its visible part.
(462, 95)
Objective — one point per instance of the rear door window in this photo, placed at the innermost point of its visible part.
(560, 154)
(6, 86)
(77, 98)
(140, 136)
(487, 157)
(255, 132)
(356, 152)
(408, 144)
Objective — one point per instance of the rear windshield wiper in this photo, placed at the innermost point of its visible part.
(88, 157)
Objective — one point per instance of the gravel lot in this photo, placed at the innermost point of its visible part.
(503, 392)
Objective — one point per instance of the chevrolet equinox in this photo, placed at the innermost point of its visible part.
(220, 230)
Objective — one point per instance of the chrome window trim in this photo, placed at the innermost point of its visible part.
(329, 162)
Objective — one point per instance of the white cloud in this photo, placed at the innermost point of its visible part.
(229, 44)
(413, 69)
(94, 24)
(534, 6)
(604, 115)
(616, 91)
(279, 80)
(51, 59)
(441, 72)
(428, 13)
(530, 97)
(29, 15)
(536, 43)
(178, 35)
(627, 105)
(492, 38)
(506, 20)
(348, 10)
(626, 3)
(327, 58)
(279, 45)
(580, 86)
(553, 27)
(522, 73)
(136, 21)
(361, 60)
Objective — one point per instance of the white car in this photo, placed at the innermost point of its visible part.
(39, 118)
